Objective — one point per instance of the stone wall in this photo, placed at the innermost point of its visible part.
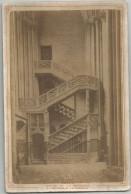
(64, 31)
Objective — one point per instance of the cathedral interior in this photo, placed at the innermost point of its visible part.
(66, 72)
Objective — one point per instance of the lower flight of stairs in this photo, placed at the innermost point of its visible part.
(68, 158)
(68, 137)
(65, 158)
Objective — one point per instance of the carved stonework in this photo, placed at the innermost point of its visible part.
(43, 64)
(78, 82)
(98, 16)
(65, 110)
(67, 138)
(28, 17)
(27, 102)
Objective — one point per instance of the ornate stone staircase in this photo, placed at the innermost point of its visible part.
(71, 139)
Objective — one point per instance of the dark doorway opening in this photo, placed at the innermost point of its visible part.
(38, 146)
(46, 52)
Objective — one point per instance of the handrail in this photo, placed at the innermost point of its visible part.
(68, 83)
(53, 88)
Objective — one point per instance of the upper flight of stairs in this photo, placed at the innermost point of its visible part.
(50, 66)
(59, 93)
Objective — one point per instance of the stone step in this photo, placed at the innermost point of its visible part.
(79, 127)
(67, 155)
(71, 133)
(64, 136)
(68, 158)
(37, 161)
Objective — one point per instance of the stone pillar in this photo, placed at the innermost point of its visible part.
(30, 63)
(99, 122)
(36, 86)
(105, 77)
(112, 86)
(98, 75)
(118, 86)
(92, 49)
(13, 94)
(88, 120)
(88, 135)
(28, 140)
(46, 135)
(87, 101)
(97, 49)
(94, 23)
(20, 50)
(14, 147)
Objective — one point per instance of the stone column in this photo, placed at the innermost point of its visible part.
(100, 19)
(112, 76)
(92, 50)
(28, 139)
(13, 95)
(30, 63)
(20, 50)
(36, 86)
(46, 135)
(88, 135)
(87, 104)
(118, 86)
(94, 20)
(14, 147)
(106, 31)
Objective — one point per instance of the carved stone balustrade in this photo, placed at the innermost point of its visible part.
(49, 66)
(60, 92)
(77, 135)
(28, 102)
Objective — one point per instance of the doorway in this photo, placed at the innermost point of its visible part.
(46, 52)
(38, 146)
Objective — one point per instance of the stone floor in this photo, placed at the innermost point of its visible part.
(63, 173)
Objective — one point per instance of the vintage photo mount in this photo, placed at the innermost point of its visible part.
(66, 95)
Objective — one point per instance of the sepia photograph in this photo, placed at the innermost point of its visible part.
(66, 96)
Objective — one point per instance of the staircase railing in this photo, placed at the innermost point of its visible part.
(66, 86)
(67, 126)
(77, 139)
(80, 80)
(51, 65)
(70, 143)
